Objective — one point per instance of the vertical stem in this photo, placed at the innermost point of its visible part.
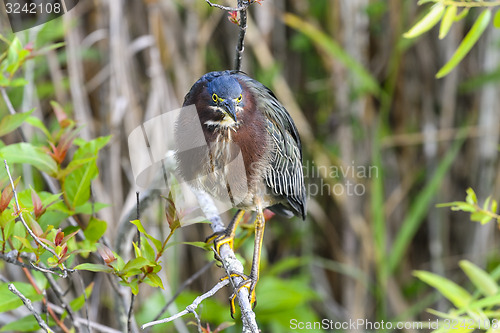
(243, 29)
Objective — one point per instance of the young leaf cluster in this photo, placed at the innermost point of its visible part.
(448, 12)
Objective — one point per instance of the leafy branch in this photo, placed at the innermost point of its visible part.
(482, 214)
(446, 12)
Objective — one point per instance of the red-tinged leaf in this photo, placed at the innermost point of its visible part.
(171, 213)
(38, 208)
(34, 226)
(68, 237)
(233, 17)
(59, 112)
(63, 252)
(49, 243)
(106, 254)
(59, 237)
(7, 195)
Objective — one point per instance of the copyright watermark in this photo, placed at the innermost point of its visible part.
(26, 14)
(338, 180)
(362, 325)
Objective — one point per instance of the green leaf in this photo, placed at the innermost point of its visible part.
(481, 217)
(154, 280)
(147, 250)
(90, 207)
(12, 62)
(449, 289)
(25, 324)
(33, 121)
(201, 245)
(11, 122)
(79, 302)
(427, 22)
(135, 264)
(75, 164)
(471, 196)
(9, 301)
(448, 18)
(494, 206)
(479, 278)
(462, 14)
(158, 245)
(29, 154)
(18, 82)
(95, 229)
(77, 184)
(486, 204)
(94, 268)
(467, 43)
(496, 20)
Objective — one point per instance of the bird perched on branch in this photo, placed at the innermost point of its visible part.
(251, 156)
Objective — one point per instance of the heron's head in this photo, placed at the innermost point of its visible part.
(226, 97)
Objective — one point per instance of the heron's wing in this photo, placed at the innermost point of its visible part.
(284, 175)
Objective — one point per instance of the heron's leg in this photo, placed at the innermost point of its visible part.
(260, 224)
(251, 281)
(227, 236)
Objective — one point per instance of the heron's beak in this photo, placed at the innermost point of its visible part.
(229, 107)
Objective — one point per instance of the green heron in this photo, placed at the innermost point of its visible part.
(252, 156)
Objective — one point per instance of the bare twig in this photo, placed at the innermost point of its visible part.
(38, 241)
(243, 4)
(28, 304)
(11, 258)
(231, 9)
(60, 296)
(183, 286)
(6, 98)
(82, 321)
(192, 307)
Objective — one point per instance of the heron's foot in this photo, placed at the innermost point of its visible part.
(249, 283)
(219, 239)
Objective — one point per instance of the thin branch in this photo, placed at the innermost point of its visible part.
(192, 307)
(82, 321)
(60, 296)
(30, 307)
(232, 266)
(11, 258)
(132, 295)
(243, 4)
(20, 215)
(472, 4)
(231, 9)
(6, 98)
(186, 283)
(79, 276)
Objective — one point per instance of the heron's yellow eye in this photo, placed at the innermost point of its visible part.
(215, 97)
(239, 98)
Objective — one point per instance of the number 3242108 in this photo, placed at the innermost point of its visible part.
(33, 8)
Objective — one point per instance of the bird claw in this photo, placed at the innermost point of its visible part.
(219, 239)
(249, 283)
